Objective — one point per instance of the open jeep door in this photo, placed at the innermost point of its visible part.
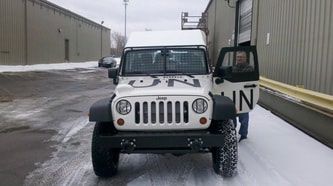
(236, 76)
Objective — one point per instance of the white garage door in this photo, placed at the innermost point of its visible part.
(245, 21)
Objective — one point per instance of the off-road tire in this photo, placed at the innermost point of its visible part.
(225, 158)
(105, 160)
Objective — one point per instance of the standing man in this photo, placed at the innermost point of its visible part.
(242, 66)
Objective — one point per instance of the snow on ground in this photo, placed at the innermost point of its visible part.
(43, 67)
(53, 66)
(280, 154)
(275, 153)
(38, 114)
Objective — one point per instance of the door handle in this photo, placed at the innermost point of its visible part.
(250, 86)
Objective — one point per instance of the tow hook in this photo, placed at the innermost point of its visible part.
(128, 145)
(195, 144)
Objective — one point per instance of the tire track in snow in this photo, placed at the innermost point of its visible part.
(78, 125)
(68, 162)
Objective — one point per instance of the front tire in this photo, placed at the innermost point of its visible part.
(105, 160)
(225, 158)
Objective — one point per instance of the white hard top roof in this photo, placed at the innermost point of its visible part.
(166, 38)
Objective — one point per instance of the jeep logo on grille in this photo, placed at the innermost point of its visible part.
(161, 98)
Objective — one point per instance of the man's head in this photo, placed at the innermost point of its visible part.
(241, 57)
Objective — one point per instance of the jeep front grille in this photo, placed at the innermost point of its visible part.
(161, 112)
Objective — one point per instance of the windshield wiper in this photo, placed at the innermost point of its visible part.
(144, 73)
(180, 73)
(189, 75)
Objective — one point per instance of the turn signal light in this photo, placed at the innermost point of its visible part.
(120, 122)
(203, 120)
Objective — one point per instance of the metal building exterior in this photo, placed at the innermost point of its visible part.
(294, 38)
(37, 31)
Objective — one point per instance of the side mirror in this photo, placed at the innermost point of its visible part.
(222, 73)
(225, 71)
(113, 74)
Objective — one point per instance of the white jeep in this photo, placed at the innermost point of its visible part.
(169, 100)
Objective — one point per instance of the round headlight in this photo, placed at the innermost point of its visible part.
(199, 106)
(123, 107)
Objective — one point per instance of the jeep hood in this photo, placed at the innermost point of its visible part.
(163, 86)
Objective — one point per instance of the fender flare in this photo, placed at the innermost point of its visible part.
(223, 108)
(100, 111)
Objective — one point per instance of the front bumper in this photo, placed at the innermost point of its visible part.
(171, 142)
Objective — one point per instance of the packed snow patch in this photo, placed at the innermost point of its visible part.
(44, 67)
(76, 127)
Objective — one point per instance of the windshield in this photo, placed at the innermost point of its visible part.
(165, 61)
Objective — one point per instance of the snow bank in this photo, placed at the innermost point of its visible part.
(43, 67)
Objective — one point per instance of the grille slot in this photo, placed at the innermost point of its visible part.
(137, 112)
(145, 112)
(186, 112)
(153, 112)
(161, 112)
(177, 109)
(169, 110)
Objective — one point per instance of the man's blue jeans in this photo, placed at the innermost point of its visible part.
(243, 118)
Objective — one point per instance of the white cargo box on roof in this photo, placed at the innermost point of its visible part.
(167, 38)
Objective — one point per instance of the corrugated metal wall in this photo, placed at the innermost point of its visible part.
(220, 33)
(47, 28)
(300, 47)
(12, 38)
(211, 29)
(300, 50)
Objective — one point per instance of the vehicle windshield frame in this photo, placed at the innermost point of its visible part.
(165, 73)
